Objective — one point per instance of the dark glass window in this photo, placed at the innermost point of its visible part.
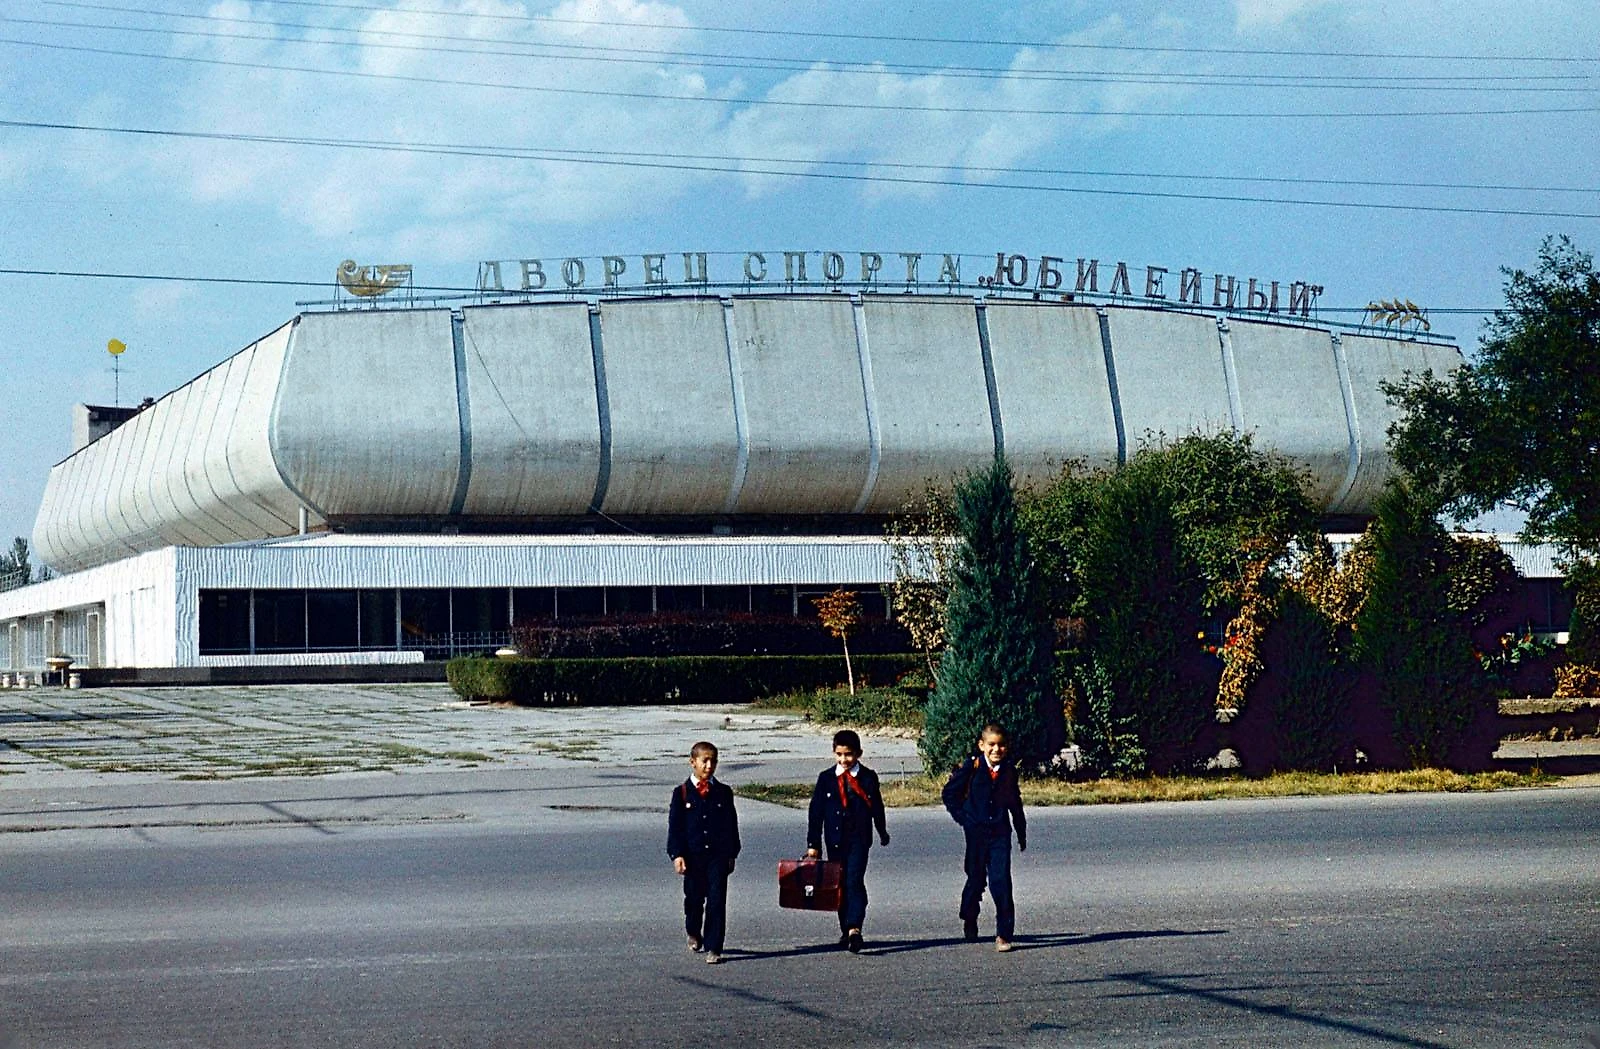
(224, 622)
(873, 603)
(377, 618)
(280, 620)
(679, 599)
(728, 598)
(424, 617)
(331, 619)
(772, 600)
(580, 601)
(480, 611)
(629, 600)
(535, 603)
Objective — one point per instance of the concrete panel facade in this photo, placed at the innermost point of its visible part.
(1291, 399)
(930, 396)
(1369, 361)
(534, 420)
(1050, 382)
(800, 368)
(245, 468)
(674, 435)
(796, 405)
(1171, 378)
(365, 420)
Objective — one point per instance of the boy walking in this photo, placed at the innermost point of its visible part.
(703, 841)
(982, 796)
(846, 805)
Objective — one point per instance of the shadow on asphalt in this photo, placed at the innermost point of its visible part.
(1145, 984)
(1037, 942)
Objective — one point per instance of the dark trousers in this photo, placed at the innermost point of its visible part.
(853, 907)
(989, 859)
(705, 900)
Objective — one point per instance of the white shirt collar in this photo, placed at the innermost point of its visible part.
(838, 770)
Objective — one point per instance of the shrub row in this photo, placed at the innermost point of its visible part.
(689, 634)
(871, 707)
(666, 679)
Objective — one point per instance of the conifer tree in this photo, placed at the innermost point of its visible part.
(1428, 680)
(998, 662)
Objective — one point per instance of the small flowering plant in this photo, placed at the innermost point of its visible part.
(1514, 649)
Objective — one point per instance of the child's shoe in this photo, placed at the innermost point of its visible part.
(1002, 945)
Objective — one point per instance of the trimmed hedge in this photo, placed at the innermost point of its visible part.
(665, 679)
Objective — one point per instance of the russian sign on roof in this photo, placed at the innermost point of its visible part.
(905, 271)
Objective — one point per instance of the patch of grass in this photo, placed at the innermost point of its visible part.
(572, 749)
(794, 795)
(467, 755)
(924, 790)
(403, 750)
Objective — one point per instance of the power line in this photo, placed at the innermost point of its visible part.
(475, 290)
(952, 41)
(1210, 114)
(700, 59)
(559, 153)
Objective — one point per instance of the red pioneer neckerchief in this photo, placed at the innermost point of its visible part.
(844, 796)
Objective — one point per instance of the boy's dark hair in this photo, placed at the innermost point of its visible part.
(847, 738)
(703, 747)
(994, 728)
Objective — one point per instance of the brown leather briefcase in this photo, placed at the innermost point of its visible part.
(810, 885)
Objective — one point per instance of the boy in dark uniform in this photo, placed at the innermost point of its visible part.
(983, 797)
(703, 840)
(846, 805)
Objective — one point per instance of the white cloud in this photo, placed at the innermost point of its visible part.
(1252, 15)
(956, 122)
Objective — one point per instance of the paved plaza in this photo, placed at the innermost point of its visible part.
(59, 736)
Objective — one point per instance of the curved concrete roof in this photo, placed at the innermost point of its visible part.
(777, 405)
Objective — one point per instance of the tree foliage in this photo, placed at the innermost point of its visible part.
(1148, 553)
(840, 613)
(1521, 423)
(1414, 633)
(15, 567)
(997, 664)
(922, 550)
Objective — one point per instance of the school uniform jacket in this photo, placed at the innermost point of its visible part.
(705, 828)
(980, 802)
(840, 824)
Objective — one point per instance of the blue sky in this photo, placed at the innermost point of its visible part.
(1152, 104)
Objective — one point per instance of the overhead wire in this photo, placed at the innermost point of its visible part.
(635, 96)
(447, 289)
(622, 160)
(700, 59)
(818, 34)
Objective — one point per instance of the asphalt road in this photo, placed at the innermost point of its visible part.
(1420, 921)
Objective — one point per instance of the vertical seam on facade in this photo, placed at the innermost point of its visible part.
(989, 385)
(1111, 384)
(219, 378)
(858, 313)
(1352, 424)
(182, 461)
(272, 428)
(458, 350)
(741, 421)
(602, 479)
(1230, 375)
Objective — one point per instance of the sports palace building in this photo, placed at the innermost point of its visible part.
(384, 481)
